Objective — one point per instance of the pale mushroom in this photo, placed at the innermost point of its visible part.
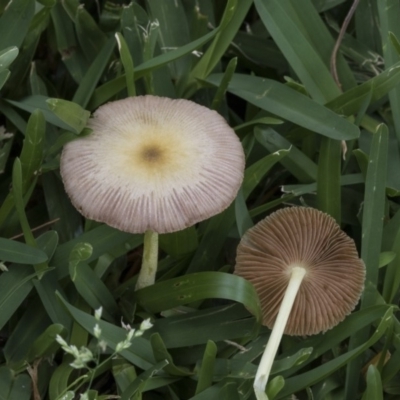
(153, 165)
(299, 260)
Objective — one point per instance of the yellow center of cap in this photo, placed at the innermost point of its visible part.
(152, 154)
(156, 156)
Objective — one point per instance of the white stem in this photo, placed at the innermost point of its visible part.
(147, 274)
(267, 359)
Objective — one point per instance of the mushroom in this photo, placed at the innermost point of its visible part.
(299, 259)
(153, 165)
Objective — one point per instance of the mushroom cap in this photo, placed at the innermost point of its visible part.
(308, 238)
(153, 163)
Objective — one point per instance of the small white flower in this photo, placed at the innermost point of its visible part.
(72, 350)
(68, 396)
(3, 267)
(83, 356)
(197, 53)
(103, 345)
(97, 331)
(129, 336)
(125, 326)
(122, 346)
(146, 324)
(98, 312)
(61, 341)
(78, 364)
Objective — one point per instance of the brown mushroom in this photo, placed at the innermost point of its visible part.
(155, 165)
(299, 260)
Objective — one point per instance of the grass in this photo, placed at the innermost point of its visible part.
(262, 64)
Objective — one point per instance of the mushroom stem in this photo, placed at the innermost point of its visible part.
(264, 369)
(147, 274)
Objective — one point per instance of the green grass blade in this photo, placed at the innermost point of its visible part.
(111, 88)
(13, 117)
(296, 162)
(392, 276)
(372, 226)
(374, 206)
(324, 342)
(20, 253)
(301, 189)
(93, 290)
(179, 243)
(4, 75)
(123, 373)
(133, 18)
(243, 219)
(90, 36)
(254, 49)
(319, 36)
(59, 382)
(328, 181)
(103, 239)
(33, 148)
(206, 372)
(286, 29)
(21, 389)
(5, 151)
(32, 103)
(388, 9)
(214, 237)
(137, 386)
(48, 242)
(227, 368)
(315, 375)
(233, 17)
(28, 48)
(67, 45)
(395, 42)
(226, 389)
(216, 324)
(392, 367)
(127, 62)
(45, 345)
(161, 353)
(14, 23)
(367, 25)
(59, 208)
(385, 258)
(200, 286)
(374, 385)
(15, 285)
(46, 289)
(174, 30)
(36, 83)
(275, 386)
(70, 113)
(71, 8)
(17, 182)
(353, 100)
(31, 323)
(289, 104)
(220, 94)
(93, 74)
(255, 173)
(7, 56)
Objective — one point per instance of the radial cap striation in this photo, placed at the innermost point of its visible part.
(308, 238)
(153, 163)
